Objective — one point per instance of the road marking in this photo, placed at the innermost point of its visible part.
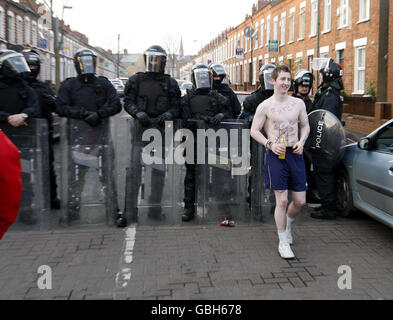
(124, 276)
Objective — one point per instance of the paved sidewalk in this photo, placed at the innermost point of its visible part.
(201, 262)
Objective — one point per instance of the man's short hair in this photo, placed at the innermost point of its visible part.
(277, 70)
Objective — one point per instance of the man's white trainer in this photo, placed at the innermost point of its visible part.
(285, 251)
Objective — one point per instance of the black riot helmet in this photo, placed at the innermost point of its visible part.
(85, 62)
(265, 74)
(217, 70)
(12, 64)
(33, 60)
(201, 76)
(331, 72)
(303, 77)
(155, 59)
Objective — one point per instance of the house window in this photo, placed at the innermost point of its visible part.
(262, 30)
(275, 28)
(254, 72)
(19, 30)
(267, 30)
(283, 29)
(2, 24)
(27, 31)
(256, 35)
(11, 27)
(360, 69)
(314, 17)
(344, 13)
(292, 27)
(302, 22)
(34, 33)
(364, 10)
(340, 57)
(327, 17)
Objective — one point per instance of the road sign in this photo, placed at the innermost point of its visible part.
(239, 53)
(274, 46)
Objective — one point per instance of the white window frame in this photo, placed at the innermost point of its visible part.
(27, 30)
(275, 28)
(283, 26)
(19, 30)
(256, 35)
(34, 33)
(344, 14)
(327, 16)
(359, 68)
(267, 30)
(11, 27)
(262, 31)
(291, 25)
(254, 71)
(2, 23)
(302, 23)
(313, 18)
(364, 7)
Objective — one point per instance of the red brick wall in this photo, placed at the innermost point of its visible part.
(368, 29)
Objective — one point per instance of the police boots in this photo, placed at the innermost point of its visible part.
(189, 213)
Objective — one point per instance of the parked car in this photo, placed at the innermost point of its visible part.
(365, 176)
(124, 80)
(185, 85)
(118, 85)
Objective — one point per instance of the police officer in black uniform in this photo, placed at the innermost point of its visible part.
(264, 92)
(200, 103)
(302, 85)
(328, 98)
(18, 103)
(219, 75)
(88, 98)
(47, 101)
(151, 97)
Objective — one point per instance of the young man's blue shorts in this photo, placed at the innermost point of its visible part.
(285, 174)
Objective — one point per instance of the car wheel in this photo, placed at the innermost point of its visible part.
(344, 194)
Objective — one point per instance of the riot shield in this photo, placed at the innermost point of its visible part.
(88, 183)
(222, 155)
(327, 138)
(152, 179)
(33, 144)
(262, 199)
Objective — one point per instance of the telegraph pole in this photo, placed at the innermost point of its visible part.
(118, 56)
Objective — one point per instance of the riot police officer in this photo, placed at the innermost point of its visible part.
(302, 85)
(328, 98)
(91, 99)
(18, 104)
(151, 97)
(47, 101)
(219, 75)
(264, 92)
(200, 103)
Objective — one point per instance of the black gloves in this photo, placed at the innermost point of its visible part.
(166, 116)
(143, 118)
(93, 119)
(217, 119)
(49, 99)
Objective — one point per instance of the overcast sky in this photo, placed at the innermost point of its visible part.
(142, 23)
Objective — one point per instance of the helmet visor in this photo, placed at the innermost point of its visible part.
(319, 64)
(202, 78)
(267, 76)
(219, 70)
(16, 63)
(87, 64)
(155, 62)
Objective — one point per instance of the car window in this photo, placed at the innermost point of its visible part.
(384, 139)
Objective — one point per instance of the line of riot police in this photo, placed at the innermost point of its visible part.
(152, 98)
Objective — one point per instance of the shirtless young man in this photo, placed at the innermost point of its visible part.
(279, 117)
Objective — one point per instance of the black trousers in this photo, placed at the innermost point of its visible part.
(326, 184)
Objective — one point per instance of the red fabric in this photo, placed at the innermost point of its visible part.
(10, 183)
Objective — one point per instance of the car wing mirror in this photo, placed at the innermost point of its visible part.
(364, 143)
